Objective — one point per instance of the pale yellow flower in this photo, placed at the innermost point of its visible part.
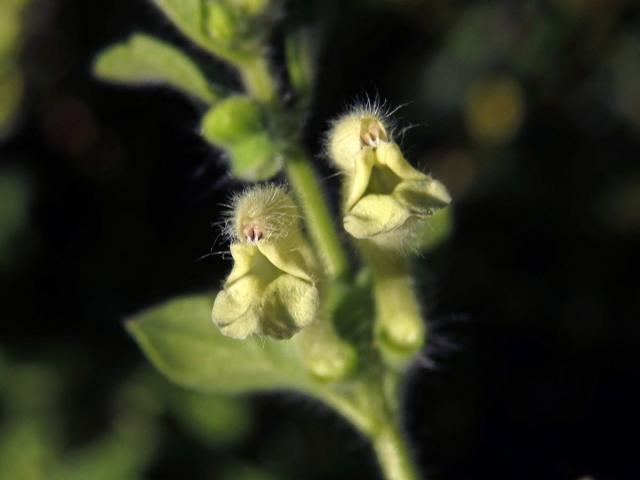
(386, 199)
(271, 289)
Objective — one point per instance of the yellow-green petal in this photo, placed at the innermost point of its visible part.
(286, 257)
(375, 214)
(236, 310)
(389, 154)
(288, 305)
(363, 165)
(243, 258)
(422, 197)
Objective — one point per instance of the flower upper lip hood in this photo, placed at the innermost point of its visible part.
(289, 262)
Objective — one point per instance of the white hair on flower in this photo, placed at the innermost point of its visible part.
(261, 213)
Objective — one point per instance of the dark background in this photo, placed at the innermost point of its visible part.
(531, 367)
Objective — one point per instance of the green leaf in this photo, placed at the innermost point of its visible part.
(144, 60)
(181, 341)
(189, 17)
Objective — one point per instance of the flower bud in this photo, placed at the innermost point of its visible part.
(271, 289)
(386, 199)
(231, 120)
(236, 124)
(255, 158)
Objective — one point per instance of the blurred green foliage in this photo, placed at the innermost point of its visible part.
(15, 200)
(33, 438)
(11, 78)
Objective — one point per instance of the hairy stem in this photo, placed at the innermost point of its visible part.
(393, 454)
(257, 78)
(371, 406)
(260, 83)
(366, 408)
(317, 215)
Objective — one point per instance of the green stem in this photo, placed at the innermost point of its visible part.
(257, 78)
(317, 216)
(365, 407)
(261, 85)
(349, 409)
(393, 454)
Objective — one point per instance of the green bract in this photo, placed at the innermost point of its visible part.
(237, 125)
(255, 158)
(232, 120)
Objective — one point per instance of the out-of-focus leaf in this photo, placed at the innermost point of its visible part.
(215, 420)
(31, 389)
(144, 60)
(300, 57)
(182, 342)
(495, 109)
(246, 472)
(624, 67)
(27, 449)
(617, 206)
(11, 94)
(122, 454)
(15, 196)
